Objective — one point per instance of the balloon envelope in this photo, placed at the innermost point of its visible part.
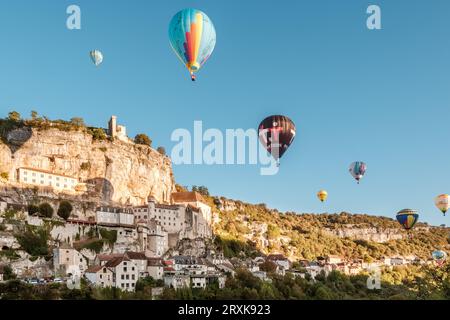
(357, 170)
(439, 256)
(322, 195)
(97, 57)
(193, 37)
(276, 134)
(407, 218)
(442, 202)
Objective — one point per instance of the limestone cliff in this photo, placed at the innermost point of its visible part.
(111, 172)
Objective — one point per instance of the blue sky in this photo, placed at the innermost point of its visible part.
(354, 94)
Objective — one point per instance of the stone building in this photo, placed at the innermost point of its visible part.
(45, 178)
(66, 258)
(117, 131)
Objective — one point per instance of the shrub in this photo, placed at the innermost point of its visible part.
(98, 134)
(45, 210)
(78, 122)
(161, 150)
(65, 209)
(4, 175)
(14, 116)
(34, 241)
(109, 235)
(85, 166)
(142, 138)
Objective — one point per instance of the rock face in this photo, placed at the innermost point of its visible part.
(368, 234)
(115, 173)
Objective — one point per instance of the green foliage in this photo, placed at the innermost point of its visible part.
(14, 116)
(65, 209)
(34, 241)
(201, 189)
(46, 210)
(161, 150)
(110, 236)
(143, 139)
(97, 134)
(78, 122)
(85, 166)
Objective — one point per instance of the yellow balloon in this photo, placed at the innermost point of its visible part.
(322, 195)
(442, 202)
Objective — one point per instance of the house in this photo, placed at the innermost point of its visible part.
(198, 281)
(45, 178)
(198, 204)
(102, 259)
(281, 261)
(100, 276)
(140, 260)
(334, 259)
(397, 261)
(155, 268)
(115, 217)
(175, 280)
(261, 275)
(126, 273)
(66, 257)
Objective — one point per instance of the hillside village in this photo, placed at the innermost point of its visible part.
(177, 238)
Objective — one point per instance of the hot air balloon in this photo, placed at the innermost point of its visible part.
(442, 202)
(439, 257)
(97, 57)
(276, 134)
(193, 38)
(357, 170)
(322, 195)
(407, 218)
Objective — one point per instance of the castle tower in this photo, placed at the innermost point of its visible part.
(112, 126)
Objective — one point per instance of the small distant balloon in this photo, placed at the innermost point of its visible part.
(322, 195)
(407, 218)
(439, 257)
(358, 170)
(97, 57)
(442, 202)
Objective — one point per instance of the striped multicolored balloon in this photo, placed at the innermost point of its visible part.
(407, 218)
(193, 38)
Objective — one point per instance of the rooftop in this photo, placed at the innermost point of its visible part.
(182, 197)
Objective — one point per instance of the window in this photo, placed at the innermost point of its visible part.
(25, 179)
(128, 277)
(125, 269)
(34, 174)
(122, 277)
(34, 180)
(101, 276)
(132, 277)
(122, 285)
(42, 181)
(42, 175)
(25, 173)
(132, 269)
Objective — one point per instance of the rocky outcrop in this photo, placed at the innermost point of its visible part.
(367, 234)
(112, 172)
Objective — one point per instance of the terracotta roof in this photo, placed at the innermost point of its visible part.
(167, 206)
(136, 255)
(107, 257)
(116, 261)
(94, 269)
(181, 197)
(156, 262)
(276, 257)
(48, 172)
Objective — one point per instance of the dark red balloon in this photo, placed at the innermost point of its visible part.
(276, 133)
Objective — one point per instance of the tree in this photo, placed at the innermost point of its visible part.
(142, 138)
(201, 189)
(8, 273)
(32, 209)
(14, 116)
(45, 210)
(98, 134)
(34, 115)
(161, 150)
(34, 241)
(76, 121)
(65, 209)
(268, 266)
